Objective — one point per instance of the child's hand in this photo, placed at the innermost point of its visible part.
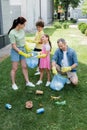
(41, 56)
(40, 42)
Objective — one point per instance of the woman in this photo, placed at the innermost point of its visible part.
(17, 39)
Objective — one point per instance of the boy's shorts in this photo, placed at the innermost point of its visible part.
(36, 49)
(15, 57)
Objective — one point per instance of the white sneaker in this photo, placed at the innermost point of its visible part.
(30, 84)
(37, 73)
(39, 82)
(14, 86)
(37, 69)
(48, 83)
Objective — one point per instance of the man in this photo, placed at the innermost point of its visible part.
(65, 61)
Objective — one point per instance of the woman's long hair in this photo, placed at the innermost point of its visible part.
(46, 35)
(19, 20)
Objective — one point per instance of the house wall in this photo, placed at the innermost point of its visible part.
(77, 13)
(1, 20)
(31, 10)
(5, 15)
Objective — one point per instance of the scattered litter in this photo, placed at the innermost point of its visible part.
(8, 106)
(39, 92)
(29, 104)
(40, 105)
(40, 111)
(60, 103)
(55, 98)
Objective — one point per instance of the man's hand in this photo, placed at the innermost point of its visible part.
(54, 70)
(24, 54)
(66, 69)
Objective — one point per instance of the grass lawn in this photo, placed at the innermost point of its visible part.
(72, 116)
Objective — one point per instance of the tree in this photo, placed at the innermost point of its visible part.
(84, 7)
(66, 3)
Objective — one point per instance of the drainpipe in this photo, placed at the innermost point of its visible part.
(40, 9)
(1, 21)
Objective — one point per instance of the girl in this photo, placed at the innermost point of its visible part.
(17, 39)
(45, 62)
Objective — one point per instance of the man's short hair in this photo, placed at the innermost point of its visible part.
(61, 40)
(40, 23)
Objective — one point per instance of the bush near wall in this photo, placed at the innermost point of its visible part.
(59, 25)
(65, 25)
(82, 27)
(86, 32)
(79, 25)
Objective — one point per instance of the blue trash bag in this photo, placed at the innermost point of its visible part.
(32, 62)
(58, 82)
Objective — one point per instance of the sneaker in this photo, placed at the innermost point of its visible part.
(37, 69)
(37, 73)
(39, 82)
(30, 84)
(48, 83)
(14, 86)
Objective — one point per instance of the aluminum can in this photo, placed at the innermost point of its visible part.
(40, 110)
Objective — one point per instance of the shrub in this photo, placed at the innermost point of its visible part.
(57, 25)
(79, 25)
(65, 25)
(86, 32)
(83, 28)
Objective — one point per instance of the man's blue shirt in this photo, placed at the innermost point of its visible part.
(71, 56)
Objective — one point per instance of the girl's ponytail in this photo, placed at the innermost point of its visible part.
(49, 41)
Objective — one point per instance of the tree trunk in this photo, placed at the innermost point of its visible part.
(66, 12)
(66, 9)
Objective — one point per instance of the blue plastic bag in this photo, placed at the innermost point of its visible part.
(32, 62)
(58, 82)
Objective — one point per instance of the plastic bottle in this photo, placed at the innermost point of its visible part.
(61, 103)
(40, 110)
(8, 106)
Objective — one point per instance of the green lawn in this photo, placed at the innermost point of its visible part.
(72, 116)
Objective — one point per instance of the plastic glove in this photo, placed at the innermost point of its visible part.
(27, 47)
(29, 40)
(66, 69)
(54, 70)
(41, 56)
(24, 54)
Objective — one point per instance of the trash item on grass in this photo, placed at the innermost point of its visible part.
(29, 104)
(40, 105)
(60, 103)
(39, 92)
(8, 106)
(55, 98)
(40, 111)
